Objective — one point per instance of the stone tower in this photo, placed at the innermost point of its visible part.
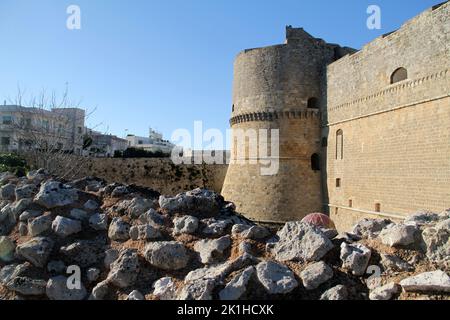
(281, 87)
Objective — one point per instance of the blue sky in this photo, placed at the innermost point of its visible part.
(164, 63)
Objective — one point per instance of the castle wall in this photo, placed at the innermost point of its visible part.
(396, 137)
(271, 89)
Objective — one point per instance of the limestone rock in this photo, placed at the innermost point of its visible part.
(315, 275)
(18, 207)
(37, 250)
(84, 253)
(54, 194)
(301, 241)
(152, 217)
(144, 232)
(276, 278)
(355, 257)
(58, 289)
(394, 263)
(26, 191)
(111, 255)
(23, 229)
(92, 274)
(7, 248)
(124, 271)
(137, 206)
(434, 281)
(29, 214)
(385, 292)
(437, 241)
(185, 224)
(65, 227)
(56, 267)
(99, 222)
(119, 230)
(27, 286)
(91, 205)
(165, 289)
(338, 292)
(195, 202)
(100, 291)
(39, 225)
(250, 232)
(370, 228)
(398, 235)
(212, 251)
(167, 255)
(216, 227)
(198, 290)
(135, 295)
(78, 214)
(422, 218)
(238, 285)
(7, 192)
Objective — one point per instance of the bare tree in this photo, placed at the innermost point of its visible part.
(50, 132)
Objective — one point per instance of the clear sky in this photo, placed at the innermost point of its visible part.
(164, 63)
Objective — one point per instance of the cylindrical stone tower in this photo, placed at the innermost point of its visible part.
(280, 87)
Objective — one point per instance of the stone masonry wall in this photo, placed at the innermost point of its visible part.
(396, 137)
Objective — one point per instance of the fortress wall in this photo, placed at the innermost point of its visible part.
(396, 138)
(159, 174)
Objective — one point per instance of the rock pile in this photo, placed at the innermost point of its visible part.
(86, 239)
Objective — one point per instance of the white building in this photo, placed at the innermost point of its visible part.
(105, 145)
(23, 128)
(154, 142)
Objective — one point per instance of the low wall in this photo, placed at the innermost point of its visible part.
(159, 174)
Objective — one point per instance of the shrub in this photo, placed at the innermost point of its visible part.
(13, 163)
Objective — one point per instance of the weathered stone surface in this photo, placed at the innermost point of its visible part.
(144, 232)
(152, 217)
(54, 194)
(185, 224)
(99, 222)
(100, 291)
(111, 255)
(91, 205)
(195, 202)
(301, 241)
(276, 278)
(39, 225)
(212, 251)
(27, 286)
(36, 250)
(58, 289)
(124, 271)
(250, 232)
(138, 206)
(434, 281)
(84, 253)
(26, 191)
(119, 191)
(9, 272)
(65, 227)
(355, 257)
(437, 241)
(29, 214)
(238, 285)
(338, 292)
(216, 227)
(198, 290)
(18, 207)
(119, 230)
(385, 292)
(23, 229)
(56, 267)
(92, 274)
(135, 295)
(78, 214)
(370, 228)
(398, 235)
(422, 218)
(315, 275)
(7, 192)
(167, 255)
(7, 247)
(394, 263)
(165, 289)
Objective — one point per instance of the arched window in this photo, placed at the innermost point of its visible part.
(315, 162)
(399, 75)
(313, 103)
(339, 144)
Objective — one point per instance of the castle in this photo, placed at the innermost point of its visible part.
(361, 133)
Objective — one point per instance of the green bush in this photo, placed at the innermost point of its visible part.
(13, 163)
(140, 153)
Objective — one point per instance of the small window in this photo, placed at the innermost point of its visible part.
(399, 75)
(80, 130)
(5, 141)
(140, 142)
(339, 144)
(377, 207)
(313, 103)
(232, 108)
(315, 162)
(7, 119)
(338, 182)
(350, 203)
